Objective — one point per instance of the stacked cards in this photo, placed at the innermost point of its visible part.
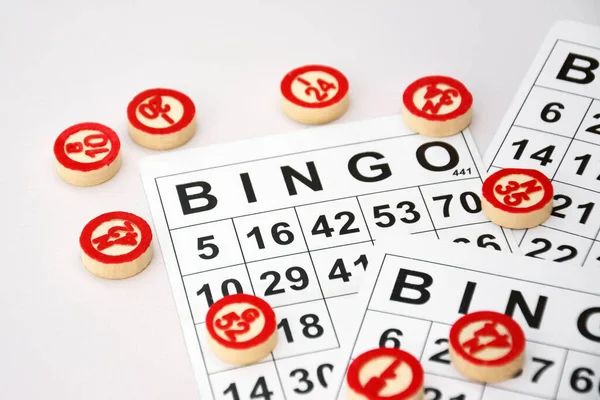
(306, 220)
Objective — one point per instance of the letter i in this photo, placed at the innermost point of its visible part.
(248, 189)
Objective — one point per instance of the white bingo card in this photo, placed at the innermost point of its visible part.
(553, 125)
(292, 219)
(417, 289)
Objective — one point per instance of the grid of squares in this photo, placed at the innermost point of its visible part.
(307, 261)
(558, 133)
(550, 372)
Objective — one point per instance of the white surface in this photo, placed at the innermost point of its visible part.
(68, 335)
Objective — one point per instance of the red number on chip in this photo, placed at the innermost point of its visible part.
(116, 237)
(161, 111)
(487, 346)
(87, 146)
(154, 108)
(518, 190)
(314, 86)
(118, 234)
(437, 98)
(401, 377)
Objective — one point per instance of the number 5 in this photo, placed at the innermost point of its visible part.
(214, 250)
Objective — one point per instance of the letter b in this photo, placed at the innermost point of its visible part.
(185, 198)
(584, 70)
(421, 288)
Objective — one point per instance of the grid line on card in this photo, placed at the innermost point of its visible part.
(552, 133)
(471, 155)
(290, 254)
(571, 141)
(458, 379)
(328, 201)
(212, 392)
(212, 269)
(564, 91)
(563, 231)
(481, 179)
(562, 371)
(579, 44)
(364, 219)
(579, 187)
(596, 239)
(449, 325)
(497, 275)
(426, 336)
(289, 154)
(337, 340)
(546, 132)
(341, 295)
(362, 319)
(461, 226)
(428, 213)
(279, 378)
(238, 367)
(243, 256)
(522, 104)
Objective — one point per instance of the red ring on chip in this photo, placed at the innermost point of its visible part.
(466, 98)
(290, 77)
(189, 111)
(87, 245)
(490, 186)
(517, 337)
(371, 389)
(105, 158)
(269, 328)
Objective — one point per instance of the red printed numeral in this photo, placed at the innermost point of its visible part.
(114, 237)
(96, 141)
(226, 322)
(514, 199)
(154, 108)
(481, 341)
(377, 383)
(445, 98)
(323, 85)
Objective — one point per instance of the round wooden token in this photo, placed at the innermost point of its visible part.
(487, 346)
(161, 119)
(116, 245)
(314, 94)
(437, 106)
(242, 329)
(517, 198)
(385, 374)
(87, 154)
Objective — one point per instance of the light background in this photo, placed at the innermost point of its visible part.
(65, 334)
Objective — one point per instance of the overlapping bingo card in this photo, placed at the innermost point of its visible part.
(292, 219)
(553, 125)
(417, 289)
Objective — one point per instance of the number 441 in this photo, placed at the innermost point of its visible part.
(462, 171)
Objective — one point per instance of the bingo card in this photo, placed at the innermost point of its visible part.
(553, 125)
(411, 298)
(292, 219)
